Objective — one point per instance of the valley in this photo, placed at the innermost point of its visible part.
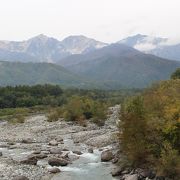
(90, 90)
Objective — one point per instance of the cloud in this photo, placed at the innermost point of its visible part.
(149, 43)
(170, 42)
(145, 47)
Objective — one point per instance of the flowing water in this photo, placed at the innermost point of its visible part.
(87, 167)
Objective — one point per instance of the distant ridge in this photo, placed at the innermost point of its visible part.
(121, 65)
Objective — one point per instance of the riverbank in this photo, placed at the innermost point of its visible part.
(28, 148)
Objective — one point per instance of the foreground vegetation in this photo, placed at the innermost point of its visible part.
(150, 129)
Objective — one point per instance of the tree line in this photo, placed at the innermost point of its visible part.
(28, 96)
(54, 95)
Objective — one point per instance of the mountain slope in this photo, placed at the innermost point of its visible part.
(17, 73)
(168, 52)
(121, 65)
(45, 49)
(161, 47)
(16, 56)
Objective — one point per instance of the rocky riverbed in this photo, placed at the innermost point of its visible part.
(41, 150)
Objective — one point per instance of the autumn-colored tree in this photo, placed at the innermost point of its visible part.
(150, 128)
(133, 127)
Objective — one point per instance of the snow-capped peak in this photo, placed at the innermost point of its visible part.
(80, 44)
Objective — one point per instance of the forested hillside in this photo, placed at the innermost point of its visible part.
(117, 65)
(16, 73)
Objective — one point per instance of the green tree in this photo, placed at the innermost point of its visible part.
(176, 74)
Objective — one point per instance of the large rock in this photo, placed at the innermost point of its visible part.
(54, 170)
(143, 173)
(20, 178)
(116, 171)
(1, 153)
(90, 150)
(4, 146)
(40, 156)
(115, 160)
(45, 152)
(37, 152)
(106, 156)
(59, 139)
(131, 177)
(11, 143)
(57, 162)
(65, 154)
(53, 143)
(73, 157)
(33, 158)
(100, 140)
(77, 152)
(55, 151)
(126, 171)
(27, 141)
(152, 175)
(64, 149)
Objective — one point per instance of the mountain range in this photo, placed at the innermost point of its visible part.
(42, 48)
(78, 61)
(45, 49)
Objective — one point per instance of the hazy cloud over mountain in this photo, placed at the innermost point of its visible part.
(162, 47)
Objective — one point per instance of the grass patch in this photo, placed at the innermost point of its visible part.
(18, 119)
(18, 115)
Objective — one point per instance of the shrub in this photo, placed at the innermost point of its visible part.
(55, 115)
(99, 113)
(73, 109)
(79, 109)
(169, 162)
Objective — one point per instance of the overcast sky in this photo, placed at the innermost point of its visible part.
(104, 20)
